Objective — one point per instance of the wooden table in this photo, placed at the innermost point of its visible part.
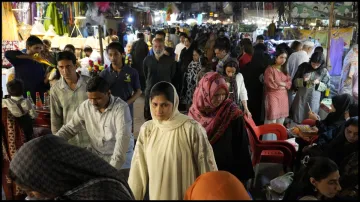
(43, 118)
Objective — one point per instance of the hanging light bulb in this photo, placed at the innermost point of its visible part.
(130, 19)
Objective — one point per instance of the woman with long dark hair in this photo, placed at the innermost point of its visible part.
(277, 81)
(310, 80)
(317, 180)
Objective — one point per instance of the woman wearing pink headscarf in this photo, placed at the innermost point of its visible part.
(349, 74)
(224, 125)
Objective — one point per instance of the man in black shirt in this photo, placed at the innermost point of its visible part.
(27, 69)
(139, 51)
(157, 67)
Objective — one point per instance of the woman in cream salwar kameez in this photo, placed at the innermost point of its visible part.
(172, 150)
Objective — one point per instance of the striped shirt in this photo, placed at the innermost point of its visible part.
(63, 103)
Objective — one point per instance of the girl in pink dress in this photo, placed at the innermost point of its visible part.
(277, 81)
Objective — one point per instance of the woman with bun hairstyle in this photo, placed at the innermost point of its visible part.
(318, 179)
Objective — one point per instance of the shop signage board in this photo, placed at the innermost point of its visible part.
(309, 10)
(321, 35)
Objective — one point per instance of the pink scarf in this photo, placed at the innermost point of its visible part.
(218, 120)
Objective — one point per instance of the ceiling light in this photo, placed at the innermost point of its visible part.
(130, 19)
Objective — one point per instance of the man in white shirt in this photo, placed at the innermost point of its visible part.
(108, 122)
(92, 54)
(180, 46)
(295, 60)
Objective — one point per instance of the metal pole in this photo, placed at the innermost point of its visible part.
(331, 16)
(101, 44)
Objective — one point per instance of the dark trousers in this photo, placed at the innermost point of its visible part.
(26, 124)
(147, 113)
(142, 83)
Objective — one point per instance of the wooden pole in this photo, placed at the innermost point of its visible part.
(101, 45)
(331, 17)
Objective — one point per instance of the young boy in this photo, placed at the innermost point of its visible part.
(20, 107)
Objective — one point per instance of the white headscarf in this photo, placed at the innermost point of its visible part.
(176, 119)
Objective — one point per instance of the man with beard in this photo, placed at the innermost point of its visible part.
(157, 67)
(168, 50)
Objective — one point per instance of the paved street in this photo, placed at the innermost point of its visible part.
(138, 114)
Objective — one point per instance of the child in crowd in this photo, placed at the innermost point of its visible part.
(20, 107)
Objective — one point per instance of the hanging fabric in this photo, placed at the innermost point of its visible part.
(33, 12)
(71, 19)
(76, 8)
(65, 14)
(9, 23)
(55, 20)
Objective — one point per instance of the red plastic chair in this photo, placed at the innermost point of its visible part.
(278, 151)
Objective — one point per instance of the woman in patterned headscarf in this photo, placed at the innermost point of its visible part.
(224, 125)
(349, 74)
(49, 168)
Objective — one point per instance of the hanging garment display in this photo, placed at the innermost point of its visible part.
(8, 45)
(336, 53)
(9, 24)
(22, 13)
(93, 14)
(33, 12)
(55, 20)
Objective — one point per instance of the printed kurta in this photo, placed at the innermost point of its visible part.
(276, 99)
(189, 83)
(307, 92)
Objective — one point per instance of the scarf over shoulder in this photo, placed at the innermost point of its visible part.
(214, 119)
